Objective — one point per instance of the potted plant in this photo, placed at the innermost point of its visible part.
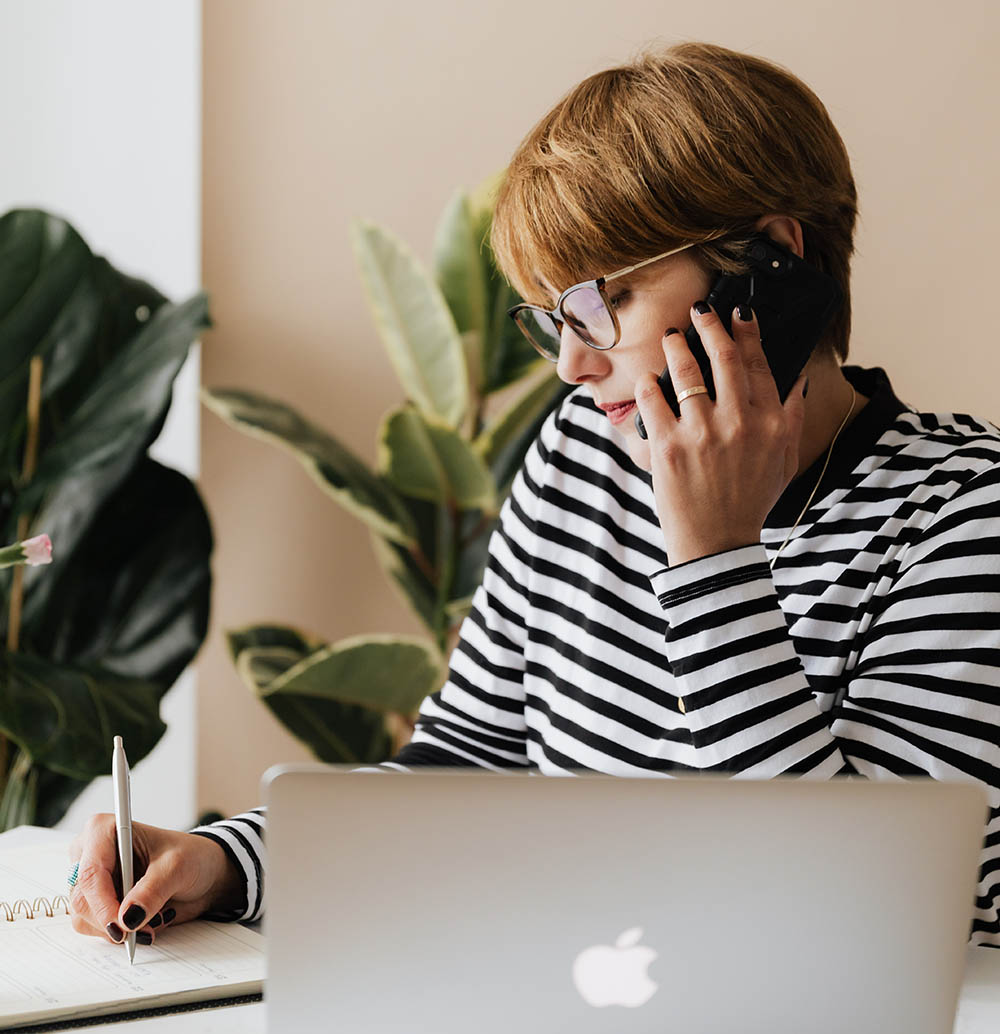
(91, 642)
(446, 459)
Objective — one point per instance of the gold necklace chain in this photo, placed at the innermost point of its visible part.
(829, 453)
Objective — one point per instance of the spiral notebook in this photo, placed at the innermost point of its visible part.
(48, 972)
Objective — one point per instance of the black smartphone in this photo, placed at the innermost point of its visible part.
(793, 302)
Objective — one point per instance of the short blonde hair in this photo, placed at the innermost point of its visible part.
(670, 150)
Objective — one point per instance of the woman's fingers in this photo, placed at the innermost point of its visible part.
(685, 375)
(95, 903)
(761, 389)
(725, 354)
(94, 897)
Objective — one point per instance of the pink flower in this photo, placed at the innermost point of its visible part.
(37, 550)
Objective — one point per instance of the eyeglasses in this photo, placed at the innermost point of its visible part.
(585, 308)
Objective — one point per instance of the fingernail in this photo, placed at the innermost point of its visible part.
(168, 915)
(805, 388)
(702, 308)
(155, 921)
(144, 937)
(115, 932)
(744, 312)
(670, 330)
(134, 917)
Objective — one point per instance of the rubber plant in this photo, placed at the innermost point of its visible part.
(91, 642)
(446, 458)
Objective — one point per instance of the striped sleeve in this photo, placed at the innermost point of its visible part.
(741, 684)
(242, 838)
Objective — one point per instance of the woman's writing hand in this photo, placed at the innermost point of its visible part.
(719, 469)
(179, 876)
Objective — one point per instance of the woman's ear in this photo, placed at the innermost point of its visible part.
(785, 229)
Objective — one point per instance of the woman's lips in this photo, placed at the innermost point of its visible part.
(617, 412)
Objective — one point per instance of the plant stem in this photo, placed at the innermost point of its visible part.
(23, 523)
(484, 522)
(426, 567)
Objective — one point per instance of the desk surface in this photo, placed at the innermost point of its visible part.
(978, 1008)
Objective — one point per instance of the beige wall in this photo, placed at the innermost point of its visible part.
(319, 112)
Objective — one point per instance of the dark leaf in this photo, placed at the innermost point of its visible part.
(115, 417)
(133, 597)
(65, 718)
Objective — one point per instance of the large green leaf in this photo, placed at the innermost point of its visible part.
(331, 465)
(506, 429)
(334, 731)
(46, 267)
(385, 673)
(507, 355)
(428, 460)
(86, 347)
(114, 418)
(56, 793)
(133, 598)
(281, 638)
(459, 265)
(65, 717)
(512, 356)
(416, 326)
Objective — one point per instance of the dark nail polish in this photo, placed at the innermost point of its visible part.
(805, 388)
(155, 921)
(134, 917)
(702, 308)
(744, 312)
(671, 330)
(144, 937)
(168, 915)
(115, 932)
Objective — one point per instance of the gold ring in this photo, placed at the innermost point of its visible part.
(688, 392)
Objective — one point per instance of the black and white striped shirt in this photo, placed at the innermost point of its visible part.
(872, 648)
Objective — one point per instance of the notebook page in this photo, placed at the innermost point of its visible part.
(31, 872)
(48, 970)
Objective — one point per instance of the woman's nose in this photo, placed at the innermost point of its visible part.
(578, 362)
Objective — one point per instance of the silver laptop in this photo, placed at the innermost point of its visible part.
(474, 903)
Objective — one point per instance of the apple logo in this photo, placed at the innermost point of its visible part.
(606, 975)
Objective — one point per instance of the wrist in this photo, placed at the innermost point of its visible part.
(685, 551)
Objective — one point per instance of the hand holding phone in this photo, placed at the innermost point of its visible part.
(793, 302)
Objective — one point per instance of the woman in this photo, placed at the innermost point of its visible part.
(764, 586)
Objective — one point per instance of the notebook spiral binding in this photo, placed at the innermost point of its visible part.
(23, 908)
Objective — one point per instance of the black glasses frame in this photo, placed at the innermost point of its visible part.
(559, 317)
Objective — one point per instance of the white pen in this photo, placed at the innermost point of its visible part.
(123, 825)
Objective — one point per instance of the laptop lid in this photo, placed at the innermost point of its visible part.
(457, 902)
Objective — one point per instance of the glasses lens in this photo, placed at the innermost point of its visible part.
(541, 330)
(589, 317)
